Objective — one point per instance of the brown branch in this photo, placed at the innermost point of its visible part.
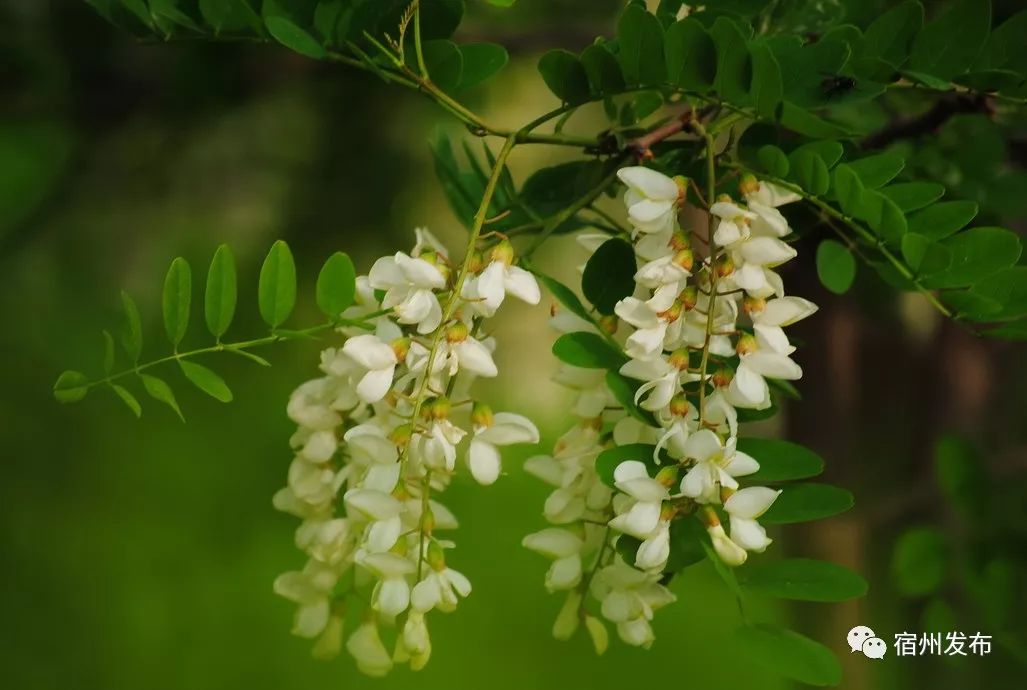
(641, 147)
(911, 128)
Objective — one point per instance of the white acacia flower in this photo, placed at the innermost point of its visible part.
(414, 642)
(651, 328)
(368, 445)
(651, 198)
(744, 506)
(366, 648)
(733, 226)
(772, 195)
(311, 589)
(328, 541)
(439, 590)
(466, 353)
(391, 594)
(329, 644)
(731, 553)
(437, 448)
(506, 428)
(643, 517)
(311, 406)
(312, 483)
(378, 359)
(488, 290)
(409, 284)
(629, 597)
(666, 278)
(770, 320)
(564, 547)
(749, 386)
(382, 511)
(594, 395)
(716, 464)
(662, 381)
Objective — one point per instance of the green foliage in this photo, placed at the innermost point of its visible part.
(780, 460)
(919, 561)
(607, 461)
(609, 275)
(805, 502)
(177, 299)
(588, 351)
(790, 654)
(803, 579)
(220, 295)
(565, 76)
(836, 266)
(336, 285)
(276, 291)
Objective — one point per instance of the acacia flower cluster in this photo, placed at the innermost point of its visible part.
(703, 334)
(380, 434)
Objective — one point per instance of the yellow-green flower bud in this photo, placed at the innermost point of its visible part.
(722, 377)
(436, 559)
(725, 266)
(481, 415)
(679, 359)
(685, 259)
(436, 408)
(689, 297)
(401, 346)
(746, 344)
(401, 435)
(679, 405)
(679, 240)
(753, 305)
(504, 252)
(668, 476)
(457, 333)
(609, 324)
(748, 184)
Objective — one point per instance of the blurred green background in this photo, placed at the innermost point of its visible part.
(141, 553)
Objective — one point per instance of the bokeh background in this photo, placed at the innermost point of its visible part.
(141, 553)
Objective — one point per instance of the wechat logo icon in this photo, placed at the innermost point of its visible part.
(862, 639)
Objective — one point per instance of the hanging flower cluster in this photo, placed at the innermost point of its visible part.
(703, 334)
(382, 432)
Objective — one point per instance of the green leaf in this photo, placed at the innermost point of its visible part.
(938, 221)
(71, 386)
(734, 65)
(919, 561)
(790, 654)
(928, 80)
(609, 275)
(806, 502)
(877, 170)
(976, 254)
(1008, 289)
(220, 295)
(550, 190)
(336, 285)
(293, 37)
(810, 171)
(804, 122)
(245, 354)
(848, 189)
(1010, 331)
(924, 256)
(691, 55)
(835, 266)
(961, 475)
(640, 37)
(603, 70)
(767, 87)
(883, 216)
(990, 80)
(206, 380)
(565, 76)
(481, 61)
(624, 390)
(802, 579)
(608, 460)
(1005, 45)
(967, 305)
(829, 151)
(950, 44)
(889, 37)
(159, 390)
(132, 335)
(108, 353)
(445, 63)
(687, 539)
(723, 570)
(588, 351)
(773, 160)
(276, 291)
(178, 289)
(127, 398)
(780, 460)
(910, 196)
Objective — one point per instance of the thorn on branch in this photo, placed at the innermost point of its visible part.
(641, 148)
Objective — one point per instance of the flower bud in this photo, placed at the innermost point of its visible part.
(476, 262)
(401, 435)
(730, 553)
(746, 344)
(668, 476)
(679, 405)
(436, 559)
(597, 631)
(722, 377)
(726, 493)
(329, 644)
(481, 415)
(457, 333)
(668, 511)
(503, 252)
(689, 297)
(725, 267)
(754, 305)
(427, 522)
(567, 620)
(672, 314)
(725, 198)
(679, 359)
(685, 259)
(609, 324)
(749, 184)
(400, 346)
(682, 182)
(679, 240)
(436, 408)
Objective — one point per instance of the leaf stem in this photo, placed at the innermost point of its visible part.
(711, 195)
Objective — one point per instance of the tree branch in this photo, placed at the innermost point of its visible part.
(911, 128)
